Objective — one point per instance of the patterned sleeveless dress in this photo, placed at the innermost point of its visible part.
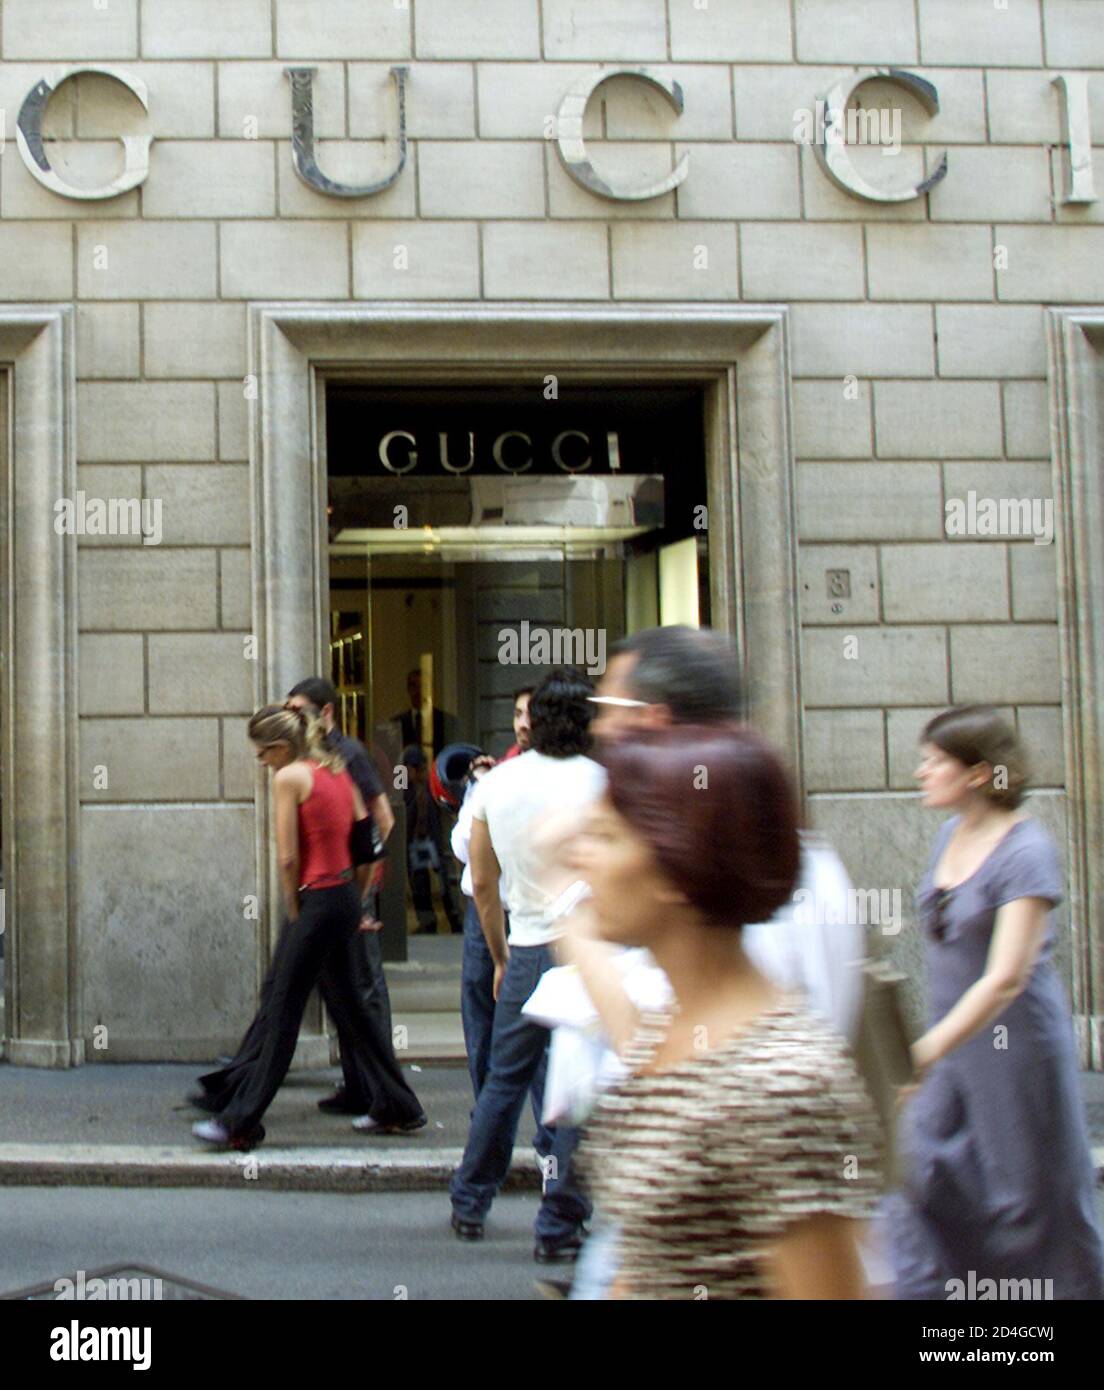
(704, 1165)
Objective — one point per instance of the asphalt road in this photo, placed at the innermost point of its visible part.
(270, 1245)
(274, 1245)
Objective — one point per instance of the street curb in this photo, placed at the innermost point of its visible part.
(274, 1169)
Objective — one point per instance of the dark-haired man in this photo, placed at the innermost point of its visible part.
(522, 732)
(668, 675)
(686, 675)
(411, 721)
(317, 695)
(554, 775)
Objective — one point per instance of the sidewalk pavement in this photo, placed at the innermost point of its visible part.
(127, 1125)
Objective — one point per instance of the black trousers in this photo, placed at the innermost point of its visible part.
(365, 968)
(322, 947)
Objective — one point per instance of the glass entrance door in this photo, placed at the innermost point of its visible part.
(467, 629)
(481, 535)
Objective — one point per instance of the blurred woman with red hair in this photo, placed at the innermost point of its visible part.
(742, 1149)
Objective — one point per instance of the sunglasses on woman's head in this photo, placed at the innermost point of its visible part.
(939, 917)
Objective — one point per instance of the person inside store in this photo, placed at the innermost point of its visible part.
(412, 721)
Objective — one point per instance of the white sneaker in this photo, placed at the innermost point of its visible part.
(364, 1124)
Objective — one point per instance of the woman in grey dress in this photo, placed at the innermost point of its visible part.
(998, 1174)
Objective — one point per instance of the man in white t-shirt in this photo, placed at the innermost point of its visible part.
(553, 776)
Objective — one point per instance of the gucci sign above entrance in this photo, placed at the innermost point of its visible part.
(832, 125)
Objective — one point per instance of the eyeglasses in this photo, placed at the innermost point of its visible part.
(939, 921)
(621, 701)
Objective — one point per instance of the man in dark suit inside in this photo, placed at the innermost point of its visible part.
(411, 719)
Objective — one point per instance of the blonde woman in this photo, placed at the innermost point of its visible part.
(319, 813)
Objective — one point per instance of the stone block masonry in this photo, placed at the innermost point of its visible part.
(916, 330)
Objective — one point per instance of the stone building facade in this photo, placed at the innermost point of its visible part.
(866, 365)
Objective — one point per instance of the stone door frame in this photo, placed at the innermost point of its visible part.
(38, 711)
(1075, 348)
(739, 354)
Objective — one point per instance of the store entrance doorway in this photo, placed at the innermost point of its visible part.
(480, 535)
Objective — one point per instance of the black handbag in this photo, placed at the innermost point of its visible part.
(365, 842)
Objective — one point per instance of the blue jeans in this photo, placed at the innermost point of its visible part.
(477, 1009)
(519, 1050)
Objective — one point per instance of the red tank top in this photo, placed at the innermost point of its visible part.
(325, 824)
